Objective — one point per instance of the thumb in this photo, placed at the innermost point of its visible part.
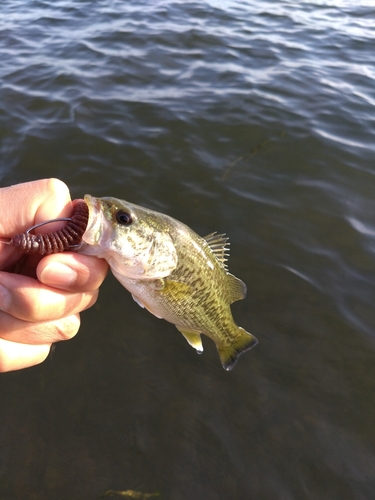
(27, 204)
(24, 205)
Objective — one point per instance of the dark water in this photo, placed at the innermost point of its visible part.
(252, 118)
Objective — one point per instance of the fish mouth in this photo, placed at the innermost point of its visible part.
(94, 225)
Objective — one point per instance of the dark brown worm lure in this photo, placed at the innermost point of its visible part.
(57, 241)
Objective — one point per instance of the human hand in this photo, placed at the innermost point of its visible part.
(40, 297)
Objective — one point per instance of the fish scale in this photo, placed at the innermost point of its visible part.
(171, 271)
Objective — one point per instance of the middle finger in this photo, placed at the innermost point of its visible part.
(29, 300)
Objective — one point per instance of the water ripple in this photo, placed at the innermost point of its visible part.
(250, 118)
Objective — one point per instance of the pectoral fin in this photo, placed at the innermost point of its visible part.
(194, 339)
(175, 290)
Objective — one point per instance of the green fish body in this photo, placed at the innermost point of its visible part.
(171, 271)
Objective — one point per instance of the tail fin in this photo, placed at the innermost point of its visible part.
(243, 342)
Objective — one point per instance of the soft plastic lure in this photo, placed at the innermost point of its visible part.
(57, 241)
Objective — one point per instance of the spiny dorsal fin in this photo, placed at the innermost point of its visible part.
(219, 246)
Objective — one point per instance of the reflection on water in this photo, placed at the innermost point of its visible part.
(245, 118)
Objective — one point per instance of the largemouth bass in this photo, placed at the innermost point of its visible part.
(171, 271)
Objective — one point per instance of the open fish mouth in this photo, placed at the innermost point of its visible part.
(95, 224)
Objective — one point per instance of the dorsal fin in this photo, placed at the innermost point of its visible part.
(219, 246)
(237, 288)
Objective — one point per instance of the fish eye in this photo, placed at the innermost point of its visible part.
(124, 218)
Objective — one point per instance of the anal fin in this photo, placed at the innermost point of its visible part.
(194, 339)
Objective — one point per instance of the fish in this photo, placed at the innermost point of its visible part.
(171, 271)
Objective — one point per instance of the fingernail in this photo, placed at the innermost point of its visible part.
(57, 274)
(5, 298)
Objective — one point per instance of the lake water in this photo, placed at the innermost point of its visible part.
(252, 118)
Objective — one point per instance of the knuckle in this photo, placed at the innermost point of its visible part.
(42, 307)
(59, 307)
(29, 310)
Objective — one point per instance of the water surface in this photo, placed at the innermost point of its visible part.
(250, 118)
